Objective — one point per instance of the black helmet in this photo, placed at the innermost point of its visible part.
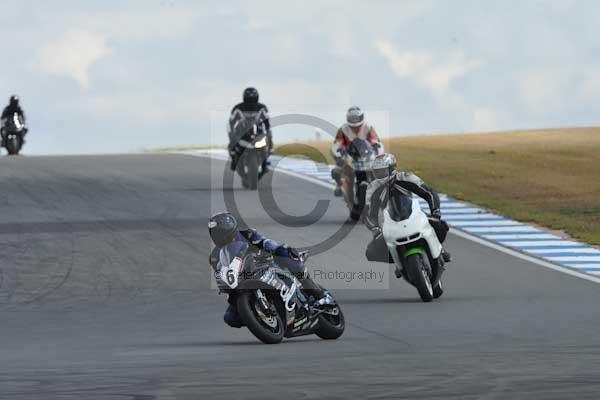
(222, 228)
(14, 100)
(250, 95)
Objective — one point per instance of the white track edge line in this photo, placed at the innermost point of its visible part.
(525, 257)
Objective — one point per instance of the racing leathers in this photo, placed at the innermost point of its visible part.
(7, 113)
(10, 109)
(343, 138)
(284, 256)
(380, 191)
(245, 110)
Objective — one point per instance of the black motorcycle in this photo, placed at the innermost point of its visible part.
(354, 177)
(252, 144)
(13, 133)
(271, 301)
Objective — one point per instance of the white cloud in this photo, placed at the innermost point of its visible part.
(486, 119)
(544, 90)
(136, 24)
(73, 54)
(421, 66)
(589, 87)
(437, 75)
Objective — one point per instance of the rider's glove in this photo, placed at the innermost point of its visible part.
(294, 253)
(291, 252)
(437, 214)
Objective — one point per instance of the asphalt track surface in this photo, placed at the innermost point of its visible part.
(105, 294)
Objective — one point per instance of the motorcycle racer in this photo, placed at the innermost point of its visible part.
(224, 232)
(386, 181)
(355, 126)
(249, 107)
(13, 107)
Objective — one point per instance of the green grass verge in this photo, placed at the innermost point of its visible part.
(546, 177)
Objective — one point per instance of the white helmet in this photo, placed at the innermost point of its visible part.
(383, 166)
(355, 117)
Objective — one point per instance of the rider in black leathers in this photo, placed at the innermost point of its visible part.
(224, 232)
(12, 108)
(250, 107)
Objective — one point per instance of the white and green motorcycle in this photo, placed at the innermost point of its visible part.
(413, 245)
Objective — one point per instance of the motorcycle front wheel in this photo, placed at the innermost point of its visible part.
(417, 271)
(251, 165)
(268, 329)
(12, 146)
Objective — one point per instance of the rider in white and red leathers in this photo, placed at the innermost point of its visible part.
(355, 127)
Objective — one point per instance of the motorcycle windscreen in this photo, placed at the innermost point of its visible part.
(361, 153)
(248, 129)
(400, 207)
(14, 124)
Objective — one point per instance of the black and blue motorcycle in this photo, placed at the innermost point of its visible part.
(270, 300)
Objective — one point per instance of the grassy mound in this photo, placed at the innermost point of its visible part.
(547, 177)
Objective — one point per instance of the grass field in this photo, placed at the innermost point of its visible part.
(546, 177)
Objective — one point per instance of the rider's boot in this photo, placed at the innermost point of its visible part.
(446, 256)
(398, 272)
(336, 175)
(234, 161)
(265, 168)
(311, 288)
(232, 318)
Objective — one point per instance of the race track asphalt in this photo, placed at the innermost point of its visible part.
(105, 294)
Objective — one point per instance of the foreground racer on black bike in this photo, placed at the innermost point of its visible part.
(224, 232)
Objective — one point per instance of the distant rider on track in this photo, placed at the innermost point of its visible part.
(12, 108)
(386, 182)
(224, 232)
(355, 126)
(249, 108)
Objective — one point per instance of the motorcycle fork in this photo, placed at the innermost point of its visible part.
(263, 302)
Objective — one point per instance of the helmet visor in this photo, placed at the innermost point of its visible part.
(381, 173)
(221, 237)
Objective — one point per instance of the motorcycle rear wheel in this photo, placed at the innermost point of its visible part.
(331, 326)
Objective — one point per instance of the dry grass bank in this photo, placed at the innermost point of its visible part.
(548, 177)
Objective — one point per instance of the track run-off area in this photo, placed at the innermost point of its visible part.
(105, 293)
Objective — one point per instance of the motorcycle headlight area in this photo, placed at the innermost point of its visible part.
(262, 142)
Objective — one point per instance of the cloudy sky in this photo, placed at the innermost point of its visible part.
(112, 76)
